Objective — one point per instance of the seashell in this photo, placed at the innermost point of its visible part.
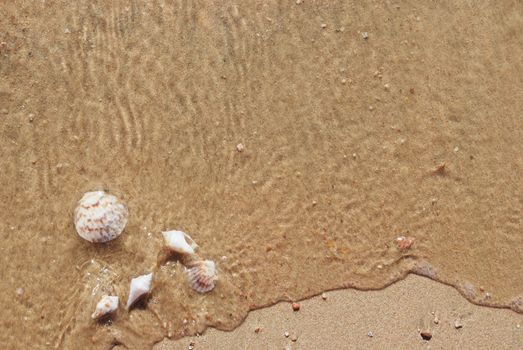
(100, 217)
(202, 276)
(404, 243)
(140, 287)
(106, 306)
(179, 242)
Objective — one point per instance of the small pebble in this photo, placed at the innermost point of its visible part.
(67, 31)
(365, 35)
(343, 81)
(19, 292)
(286, 334)
(323, 26)
(370, 334)
(324, 296)
(426, 335)
(31, 117)
(456, 149)
(294, 338)
(298, 2)
(386, 87)
(458, 324)
(371, 108)
(295, 306)
(240, 147)
(314, 203)
(436, 320)
(257, 330)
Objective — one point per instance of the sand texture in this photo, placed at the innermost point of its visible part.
(395, 317)
(359, 122)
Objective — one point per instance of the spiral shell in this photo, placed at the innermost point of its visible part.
(106, 306)
(179, 242)
(140, 287)
(202, 275)
(100, 217)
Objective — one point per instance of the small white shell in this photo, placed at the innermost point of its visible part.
(107, 305)
(179, 242)
(100, 217)
(140, 286)
(202, 276)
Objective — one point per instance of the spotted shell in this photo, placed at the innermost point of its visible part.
(202, 275)
(100, 217)
(106, 306)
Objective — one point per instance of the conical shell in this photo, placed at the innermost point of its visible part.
(202, 276)
(140, 286)
(179, 242)
(107, 305)
(100, 217)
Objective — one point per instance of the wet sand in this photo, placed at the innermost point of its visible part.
(395, 316)
(360, 123)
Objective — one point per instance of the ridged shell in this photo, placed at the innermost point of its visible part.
(140, 286)
(202, 276)
(100, 217)
(179, 242)
(107, 305)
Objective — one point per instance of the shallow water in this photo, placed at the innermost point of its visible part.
(149, 102)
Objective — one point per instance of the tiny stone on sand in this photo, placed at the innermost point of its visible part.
(294, 338)
(370, 334)
(295, 306)
(324, 296)
(365, 35)
(426, 335)
(286, 334)
(240, 147)
(458, 324)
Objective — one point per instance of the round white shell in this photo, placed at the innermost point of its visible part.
(179, 242)
(140, 286)
(202, 276)
(107, 305)
(100, 217)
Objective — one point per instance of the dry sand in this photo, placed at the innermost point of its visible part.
(395, 316)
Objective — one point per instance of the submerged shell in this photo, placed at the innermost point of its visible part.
(202, 276)
(107, 305)
(140, 286)
(404, 243)
(179, 242)
(100, 217)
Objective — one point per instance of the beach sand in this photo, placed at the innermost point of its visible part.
(395, 316)
(295, 142)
